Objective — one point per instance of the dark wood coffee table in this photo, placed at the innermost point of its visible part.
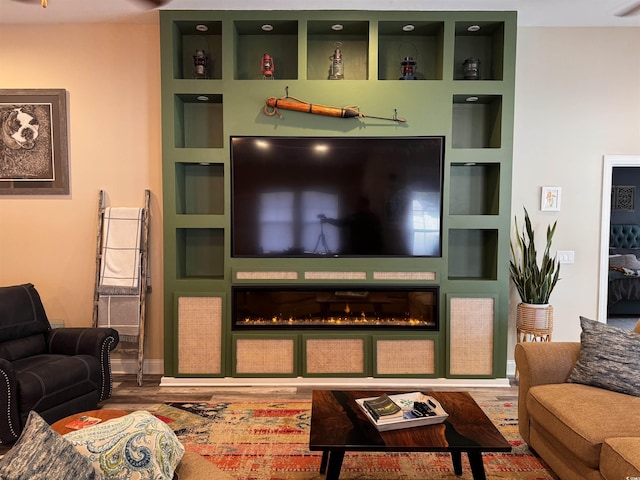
(338, 426)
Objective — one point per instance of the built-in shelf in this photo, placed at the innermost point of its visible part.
(277, 39)
(200, 253)
(475, 189)
(477, 121)
(473, 254)
(200, 188)
(474, 114)
(198, 121)
(323, 37)
(483, 41)
(421, 41)
(190, 36)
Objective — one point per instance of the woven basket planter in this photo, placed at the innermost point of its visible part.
(535, 321)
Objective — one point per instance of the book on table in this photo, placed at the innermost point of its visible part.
(403, 410)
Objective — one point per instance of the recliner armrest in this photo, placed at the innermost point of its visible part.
(97, 342)
(82, 341)
(10, 426)
(541, 363)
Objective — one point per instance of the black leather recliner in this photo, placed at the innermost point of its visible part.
(56, 372)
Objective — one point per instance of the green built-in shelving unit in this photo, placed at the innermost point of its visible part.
(475, 116)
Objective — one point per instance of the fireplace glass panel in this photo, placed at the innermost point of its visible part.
(279, 307)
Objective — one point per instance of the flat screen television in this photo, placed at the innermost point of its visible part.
(336, 196)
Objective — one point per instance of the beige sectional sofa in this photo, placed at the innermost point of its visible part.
(582, 432)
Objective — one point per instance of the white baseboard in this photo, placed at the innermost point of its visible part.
(368, 382)
(156, 367)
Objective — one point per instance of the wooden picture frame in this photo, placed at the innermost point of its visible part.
(34, 155)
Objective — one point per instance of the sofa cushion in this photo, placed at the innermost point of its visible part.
(45, 381)
(620, 458)
(581, 416)
(43, 454)
(609, 358)
(23, 347)
(137, 445)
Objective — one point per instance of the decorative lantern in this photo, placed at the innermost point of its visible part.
(337, 67)
(471, 68)
(267, 66)
(408, 69)
(200, 65)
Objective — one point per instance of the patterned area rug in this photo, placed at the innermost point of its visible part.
(269, 440)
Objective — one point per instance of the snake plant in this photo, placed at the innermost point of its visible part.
(534, 282)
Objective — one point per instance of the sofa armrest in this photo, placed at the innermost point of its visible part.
(98, 342)
(541, 363)
(10, 427)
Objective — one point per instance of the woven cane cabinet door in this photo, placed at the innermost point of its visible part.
(255, 356)
(470, 329)
(340, 356)
(200, 333)
(405, 356)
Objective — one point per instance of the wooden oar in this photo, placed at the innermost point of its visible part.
(273, 104)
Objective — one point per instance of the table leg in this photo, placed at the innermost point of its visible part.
(477, 467)
(323, 462)
(456, 459)
(335, 464)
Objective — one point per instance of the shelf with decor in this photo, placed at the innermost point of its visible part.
(410, 50)
(197, 42)
(265, 49)
(345, 41)
(479, 50)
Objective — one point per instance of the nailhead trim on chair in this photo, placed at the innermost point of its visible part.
(6, 379)
(107, 344)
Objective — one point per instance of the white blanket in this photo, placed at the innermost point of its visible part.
(120, 270)
(121, 243)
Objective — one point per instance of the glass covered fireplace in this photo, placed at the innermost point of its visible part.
(330, 307)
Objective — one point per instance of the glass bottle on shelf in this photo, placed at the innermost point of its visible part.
(337, 67)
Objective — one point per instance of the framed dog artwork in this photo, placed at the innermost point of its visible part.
(33, 142)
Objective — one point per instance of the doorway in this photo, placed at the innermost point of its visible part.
(610, 162)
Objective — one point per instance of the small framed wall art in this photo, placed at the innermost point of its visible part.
(550, 199)
(33, 142)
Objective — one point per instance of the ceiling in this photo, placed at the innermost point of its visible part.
(530, 12)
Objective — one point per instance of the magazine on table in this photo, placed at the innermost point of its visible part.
(403, 410)
(83, 422)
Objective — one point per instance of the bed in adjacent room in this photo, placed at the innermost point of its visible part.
(624, 270)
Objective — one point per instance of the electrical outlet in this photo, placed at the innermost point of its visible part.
(565, 256)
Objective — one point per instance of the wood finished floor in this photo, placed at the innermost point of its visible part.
(128, 396)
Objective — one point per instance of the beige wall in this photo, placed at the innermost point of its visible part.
(111, 74)
(577, 99)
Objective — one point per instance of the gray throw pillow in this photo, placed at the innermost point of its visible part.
(609, 358)
(41, 453)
